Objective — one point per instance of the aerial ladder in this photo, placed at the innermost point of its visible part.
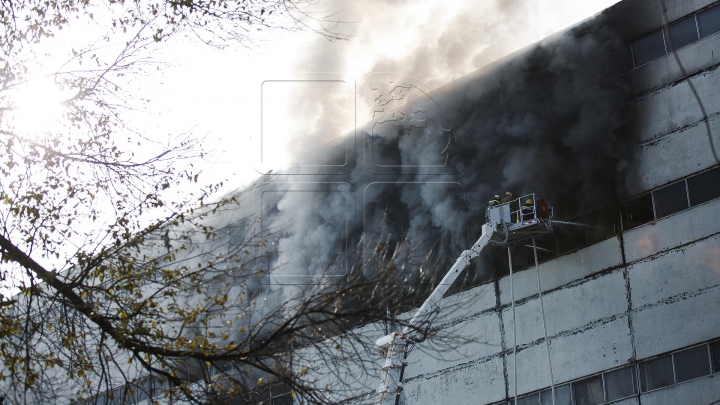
(506, 223)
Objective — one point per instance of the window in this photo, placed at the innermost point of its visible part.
(656, 373)
(532, 399)
(589, 392)
(715, 349)
(683, 33)
(562, 396)
(569, 237)
(603, 224)
(648, 48)
(141, 390)
(637, 211)
(704, 187)
(545, 248)
(692, 363)
(620, 383)
(671, 199)
(281, 394)
(709, 21)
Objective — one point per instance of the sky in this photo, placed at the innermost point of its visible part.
(219, 94)
(256, 106)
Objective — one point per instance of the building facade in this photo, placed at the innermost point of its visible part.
(624, 307)
(631, 316)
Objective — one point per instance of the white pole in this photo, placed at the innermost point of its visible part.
(542, 310)
(512, 305)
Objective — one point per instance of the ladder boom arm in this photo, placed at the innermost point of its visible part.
(423, 319)
(392, 346)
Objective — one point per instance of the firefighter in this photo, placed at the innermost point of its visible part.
(495, 200)
(508, 197)
(528, 209)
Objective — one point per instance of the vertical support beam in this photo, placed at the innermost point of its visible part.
(542, 311)
(512, 306)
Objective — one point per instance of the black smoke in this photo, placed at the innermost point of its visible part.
(547, 119)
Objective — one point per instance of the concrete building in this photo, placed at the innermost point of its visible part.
(632, 315)
(631, 302)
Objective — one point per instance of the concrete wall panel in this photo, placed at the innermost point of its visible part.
(674, 156)
(703, 391)
(465, 342)
(676, 272)
(533, 372)
(591, 351)
(465, 304)
(568, 309)
(480, 383)
(670, 108)
(563, 270)
(685, 320)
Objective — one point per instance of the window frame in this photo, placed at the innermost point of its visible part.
(702, 10)
(678, 21)
(666, 186)
(649, 34)
(687, 349)
(672, 365)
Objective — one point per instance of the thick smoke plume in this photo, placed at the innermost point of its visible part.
(546, 120)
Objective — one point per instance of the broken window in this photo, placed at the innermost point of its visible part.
(648, 48)
(589, 392)
(620, 383)
(709, 21)
(656, 373)
(671, 199)
(562, 396)
(683, 33)
(704, 187)
(692, 363)
(637, 211)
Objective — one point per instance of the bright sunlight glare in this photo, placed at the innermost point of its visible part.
(37, 106)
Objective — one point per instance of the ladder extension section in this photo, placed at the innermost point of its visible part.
(393, 345)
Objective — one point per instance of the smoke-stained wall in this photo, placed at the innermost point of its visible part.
(547, 119)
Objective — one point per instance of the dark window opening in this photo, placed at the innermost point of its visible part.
(670, 199)
(620, 383)
(532, 399)
(546, 248)
(704, 187)
(589, 392)
(692, 363)
(656, 373)
(569, 237)
(709, 21)
(637, 211)
(562, 396)
(683, 33)
(648, 48)
(715, 349)
(602, 224)
(524, 258)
